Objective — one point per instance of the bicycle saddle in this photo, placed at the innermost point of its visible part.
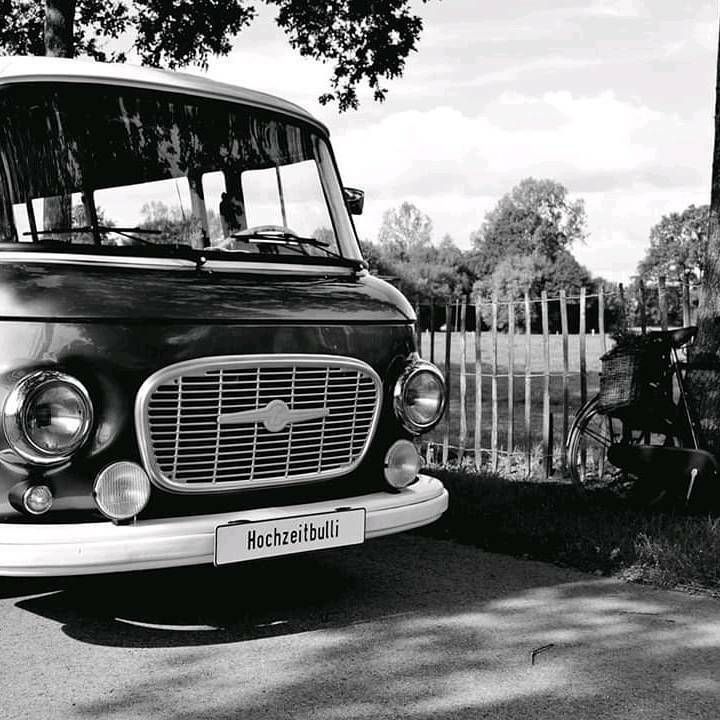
(678, 338)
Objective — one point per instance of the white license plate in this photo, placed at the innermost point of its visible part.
(269, 538)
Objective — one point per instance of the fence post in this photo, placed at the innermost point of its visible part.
(643, 307)
(511, 380)
(662, 303)
(478, 384)
(448, 413)
(418, 326)
(528, 385)
(623, 309)
(686, 299)
(432, 329)
(494, 387)
(566, 370)
(463, 380)
(546, 382)
(601, 319)
(583, 348)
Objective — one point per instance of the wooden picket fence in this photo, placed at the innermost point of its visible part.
(491, 398)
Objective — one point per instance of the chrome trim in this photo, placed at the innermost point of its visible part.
(410, 371)
(277, 268)
(104, 260)
(289, 362)
(14, 416)
(178, 264)
(275, 416)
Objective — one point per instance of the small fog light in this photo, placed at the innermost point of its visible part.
(402, 464)
(37, 499)
(122, 490)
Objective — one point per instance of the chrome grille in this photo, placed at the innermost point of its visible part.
(285, 419)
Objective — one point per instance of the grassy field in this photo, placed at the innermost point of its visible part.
(594, 531)
(537, 365)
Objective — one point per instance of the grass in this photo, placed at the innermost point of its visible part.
(594, 531)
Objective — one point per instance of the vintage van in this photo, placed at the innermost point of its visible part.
(195, 365)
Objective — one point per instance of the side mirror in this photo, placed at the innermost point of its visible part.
(354, 199)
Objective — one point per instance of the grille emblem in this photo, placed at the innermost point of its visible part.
(276, 415)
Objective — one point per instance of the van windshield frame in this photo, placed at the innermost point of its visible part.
(91, 166)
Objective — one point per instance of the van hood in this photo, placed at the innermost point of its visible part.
(39, 290)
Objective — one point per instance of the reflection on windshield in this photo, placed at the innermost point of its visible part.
(93, 165)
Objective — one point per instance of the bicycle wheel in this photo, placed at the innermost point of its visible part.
(590, 436)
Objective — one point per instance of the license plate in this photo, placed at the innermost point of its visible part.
(242, 541)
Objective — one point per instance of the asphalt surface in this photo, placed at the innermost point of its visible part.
(403, 627)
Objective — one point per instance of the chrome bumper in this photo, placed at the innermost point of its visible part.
(86, 548)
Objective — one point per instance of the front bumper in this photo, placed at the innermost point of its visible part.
(86, 548)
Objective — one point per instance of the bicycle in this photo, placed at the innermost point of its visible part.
(638, 433)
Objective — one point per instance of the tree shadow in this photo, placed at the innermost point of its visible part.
(402, 627)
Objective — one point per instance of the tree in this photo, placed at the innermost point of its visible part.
(535, 218)
(678, 245)
(703, 381)
(405, 234)
(364, 41)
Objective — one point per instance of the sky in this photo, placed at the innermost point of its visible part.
(613, 98)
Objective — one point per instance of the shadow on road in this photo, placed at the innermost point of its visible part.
(206, 605)
(403, 627)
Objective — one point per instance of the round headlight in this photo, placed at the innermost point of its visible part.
(47, 417)
(419, 397)
(122, 490)
(402, 464)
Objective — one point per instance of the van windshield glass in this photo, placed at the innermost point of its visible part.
(114, 167)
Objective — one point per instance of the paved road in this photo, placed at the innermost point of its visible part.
(405, 627)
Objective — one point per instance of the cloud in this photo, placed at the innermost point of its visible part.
(630, 163)
(590, 142)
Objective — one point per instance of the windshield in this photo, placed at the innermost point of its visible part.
(115, 167)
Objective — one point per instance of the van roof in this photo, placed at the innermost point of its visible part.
(24, 69)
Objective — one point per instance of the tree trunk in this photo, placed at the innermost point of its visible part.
(59, 42)
(59, 21)
(703, 377)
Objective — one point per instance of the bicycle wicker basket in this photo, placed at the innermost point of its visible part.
(631, 371)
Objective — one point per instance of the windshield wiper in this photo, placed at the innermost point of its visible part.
(124, 231)
(289, 239)
(181, 250)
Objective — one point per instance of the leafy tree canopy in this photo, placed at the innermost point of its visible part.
(535, 218)
(366, 41)
(678, 244)
(406, 234)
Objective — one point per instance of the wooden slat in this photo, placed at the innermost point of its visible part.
(448, 378)
(662, 302)
(566, 372)
(546, 383)
(686, 299)
(583, 366)
(528, 385)
(601, 320)
(494, 386)
(478, 385)
(643, 307)
(511, 381)
(583, 347)
(432, 329)
(418, 327)
(463, 381)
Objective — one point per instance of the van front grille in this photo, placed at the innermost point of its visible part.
(222, 423)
